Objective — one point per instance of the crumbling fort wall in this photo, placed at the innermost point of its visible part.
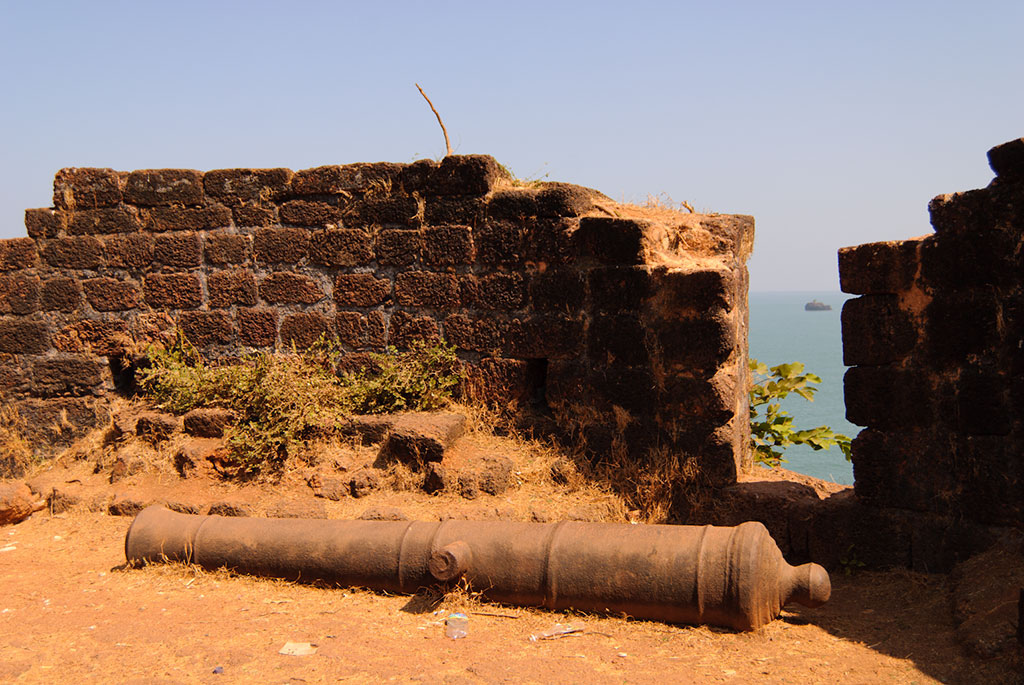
(628, 325)
(936, 346)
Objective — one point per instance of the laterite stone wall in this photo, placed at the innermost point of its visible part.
(627, 325)
(936, 346)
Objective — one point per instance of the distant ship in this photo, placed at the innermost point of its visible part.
(815, 306)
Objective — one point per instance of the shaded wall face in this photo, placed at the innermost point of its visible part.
(936, 342)
(629, 325)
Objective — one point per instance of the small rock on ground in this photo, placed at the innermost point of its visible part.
(229, 509)
(383, 514)
(208, 422)
(17, 502)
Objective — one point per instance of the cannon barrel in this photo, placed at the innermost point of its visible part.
(733, 577)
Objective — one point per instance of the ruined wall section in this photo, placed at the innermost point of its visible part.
(628, 324)
(936, 342)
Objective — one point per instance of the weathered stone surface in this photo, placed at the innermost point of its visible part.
(420, 438)
(208, 422)
(133, 251)
(44, 223)
(611, 241)
(305, 328)
(23, 336)
(104, 338)
(100, 221)
(361, 290)
(60, 294)
(284, 287)
(154, 187)
(111, 294)
(364, 481)
(186, 218)
(66, 375)
(227, 248)
(383, 514)
(19, 294)
(156, 427)
(196, 458)
(405, 328)
(281, 245)
(86, 188)
(396, 247)
(173, 291)
(17, 502)
(558, 290)
(500, 291)
(234, 186)
(447, 245)
(207, 328)
(436, 478)
(427, 289)
(312, 214)
(494, 474)
(877, 331)
(347, 178)
(879, 268)
(79, 252)
(464, 175)
(328, 486)
(341, 247)
(127, 504)
(256, 327)
(178, 249)
(234, 286)
(230, 509)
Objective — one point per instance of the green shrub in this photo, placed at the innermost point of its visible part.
(774, 429)
(282, 401)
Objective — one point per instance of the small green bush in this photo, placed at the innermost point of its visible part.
(775, 428)
(282, 401)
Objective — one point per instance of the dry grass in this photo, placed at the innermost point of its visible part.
(15, 452)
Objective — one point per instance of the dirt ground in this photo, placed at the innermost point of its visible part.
(71, 611)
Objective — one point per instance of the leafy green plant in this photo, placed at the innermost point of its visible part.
(282, 401)
(774, 428)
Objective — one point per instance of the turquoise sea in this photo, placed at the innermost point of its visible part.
(781, 331)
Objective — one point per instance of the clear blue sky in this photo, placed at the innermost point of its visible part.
(832, 123)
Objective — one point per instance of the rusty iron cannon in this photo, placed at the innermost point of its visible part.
(732, 577)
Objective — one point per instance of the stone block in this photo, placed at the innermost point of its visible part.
(713, 401)
(104, 338)
(364, 482)
(24, 336)
(348, 178)
(494, 474)
(497, 291)
(693, 292)
(223, 249)
(164, 187)
(17, 502)
(558, 290)
(103, 221)
(281, 245)
(44, 223)
(568, 384)
(230, 287)
(983, 404)
(547, 336)
(876, 331)
(991, 474)
(19, 294)
(229, 509)
(80, 252)
(404, 328)
(413, 178)
(454, 210)
(341, 247)
(447, 245)
(499, 243)
(982, 258)
(702, 343)
(255, 215)
(18, 253)
(86, 188)
(620, 288)
(961, 324)
(66, 375)
(186, 218)
(421, 437)
(329, 486)
(361, 290)
(156, 426)
(256, 327)
(311, 213)
(631, 388)
(611, 241)
(478, 334)
(351, 328)
(285, 287)
(178, 249)
(133, 251)
(111, 294)
(173, 291)
(59, 421)
(302, 329)
(513, 204)
(906, 469)
(203, 329)
(501, 382)
(616, 340)
(879, 268)
(399, 247)
(962, 212)
(153, 327)
(427, 289)
(390, 212)
(237, 186)
(60, 294)
(885, 397)
(566, 200)
(549, 242)
(1007, 160)
(465, 175)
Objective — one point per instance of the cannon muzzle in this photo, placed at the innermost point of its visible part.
(733, 577)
